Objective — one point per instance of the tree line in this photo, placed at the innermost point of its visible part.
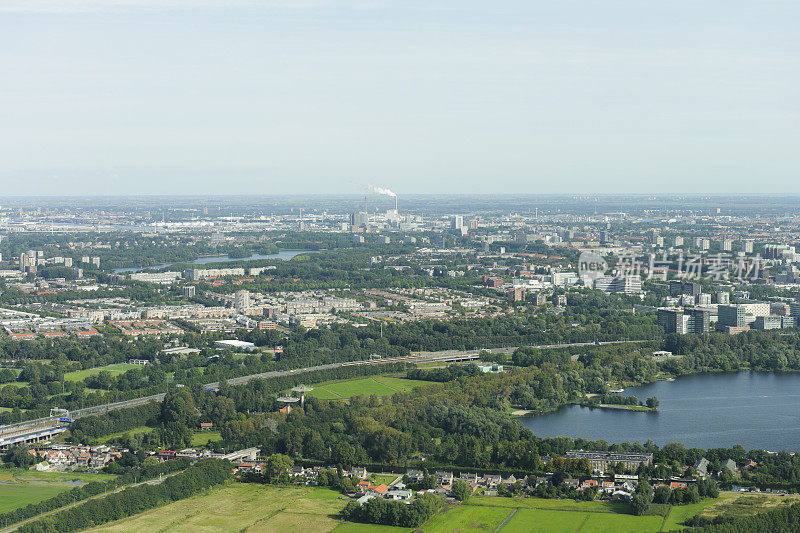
(93, 488)
(132, 500)
(393, 512)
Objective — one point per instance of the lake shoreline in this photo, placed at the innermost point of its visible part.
(758, 410)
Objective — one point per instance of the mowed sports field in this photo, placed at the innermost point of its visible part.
(378, 385)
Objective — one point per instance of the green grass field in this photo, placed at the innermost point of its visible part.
(377, 479)
(242, 507)
(467, 518)
(539, 521)
(19, 495)
(561, 505)
(80, 375)
(378, 385)
(140, 429)
(18, 475)
(264, 508)
(201, 438)
(678, 514)
(17, 384)
(539, 515)
(19, 488)
(733, 505)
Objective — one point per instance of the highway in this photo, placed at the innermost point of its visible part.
(13, 433)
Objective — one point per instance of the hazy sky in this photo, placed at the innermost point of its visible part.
(226, 96)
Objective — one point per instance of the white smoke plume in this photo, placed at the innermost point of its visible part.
(381, 190)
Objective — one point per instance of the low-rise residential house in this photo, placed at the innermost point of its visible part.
(621, 495)
(730, 465)
(510, 480)
(701, 467)
(245, 467)
(365, 498)
(380, 490)
(472, 479)
(415, 475)
(443, 478)
(297, 470)
(99, 459)
(56, 457)
(574, 483)
(358, 472)
(191, 453)
(677, 485)
(492, 480)
(166, 455)
(402, 495)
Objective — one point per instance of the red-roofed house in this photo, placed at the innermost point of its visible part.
(379, 489)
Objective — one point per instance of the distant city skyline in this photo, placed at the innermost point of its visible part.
(277, 97)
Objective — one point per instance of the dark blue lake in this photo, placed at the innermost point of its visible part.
(756, 410)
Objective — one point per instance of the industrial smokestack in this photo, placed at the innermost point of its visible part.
(385, 192)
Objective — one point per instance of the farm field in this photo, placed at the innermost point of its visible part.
(14, 496)
(539, 515)
(19, 488)
(378, 385)
(540, 521)
(678, 514)
(467, 518)
(263, 508)
(734, 504)
(18, 475)
(80, 375)
(539, 503)
(242, 507)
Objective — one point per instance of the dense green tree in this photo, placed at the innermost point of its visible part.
(461, 490)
